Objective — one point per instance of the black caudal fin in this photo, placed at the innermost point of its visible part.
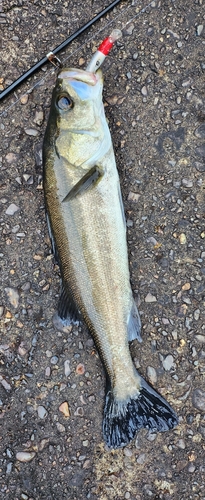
(122, 419)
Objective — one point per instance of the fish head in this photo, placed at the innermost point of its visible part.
(77, 115)
(78, 97)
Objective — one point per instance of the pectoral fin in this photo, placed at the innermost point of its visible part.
(90, 178)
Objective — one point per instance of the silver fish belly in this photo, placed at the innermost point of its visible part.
(88, 232)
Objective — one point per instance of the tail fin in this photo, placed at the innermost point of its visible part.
(122, 419)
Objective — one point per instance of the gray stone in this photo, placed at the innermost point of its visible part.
(151, 374)
(12, 209)
(13, 296)
(200, 150)
(198, 399)
(187, 183)
(200, 131)
(144, 91)
(31, 131)
(67, 369)
(168, 362)
(42, 412)
(199, 29)
(150, 298)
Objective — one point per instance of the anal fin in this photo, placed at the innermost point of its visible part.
(67, 309)
(134, 324)
(90, 178)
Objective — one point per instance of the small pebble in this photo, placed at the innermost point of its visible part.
(141, 458)
(187, 83)
(152, 240)
(24, 99)
(79, 412)
(200, 131)
(15, 229)
(168, 362)
(38, 118)
(47, 371)
(86, 443)
(81, 61)
(9, 468)
(199, 29)
(144, 91)
(200, 338)
(182, 239)
(31, 131)
(174, 334)
(181, 444)
(151, 436)
(129, 30)
(54, 360)
(42, 412)
(25, 456)
(129, 223)
(5, 384)
(13, 296)
(187, 183)
(187, 300)
(182, 310)
(186, 286)
(1, 311)
(67, 369)
(133, 196)
(191, 468)
(128, 452)
(65, 409)
(198, 399)
(12, 209)
(197, 314)
(151, 374)
(11, 157)
(127, 495)
(60, 427)
(135, 56)
(80, 369)
(200, 150)
(199, 166)
(150, 298)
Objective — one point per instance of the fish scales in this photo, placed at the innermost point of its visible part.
(102, 253)
(88, 233)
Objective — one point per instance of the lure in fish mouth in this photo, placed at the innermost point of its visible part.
(88, 232)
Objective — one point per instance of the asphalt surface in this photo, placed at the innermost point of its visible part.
(154, 101)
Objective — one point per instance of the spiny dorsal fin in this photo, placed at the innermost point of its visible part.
(90, 178)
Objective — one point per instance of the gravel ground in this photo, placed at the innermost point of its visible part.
(52, 383)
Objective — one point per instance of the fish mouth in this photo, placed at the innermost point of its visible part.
(73, 74)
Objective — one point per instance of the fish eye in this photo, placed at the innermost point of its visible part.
(64, 102)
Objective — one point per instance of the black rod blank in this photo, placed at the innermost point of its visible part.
(64, 44)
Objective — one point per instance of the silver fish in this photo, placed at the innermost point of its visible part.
(88, 231)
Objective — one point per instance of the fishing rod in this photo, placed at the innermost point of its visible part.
(51, 55)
